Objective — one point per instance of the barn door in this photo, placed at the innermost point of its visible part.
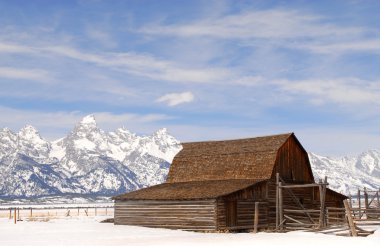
(231, 213)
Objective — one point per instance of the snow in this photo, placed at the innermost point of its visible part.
(88, 231)
(84, 144)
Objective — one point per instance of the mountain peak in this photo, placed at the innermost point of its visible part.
(28, 130)
(162, 131)
(88, 120)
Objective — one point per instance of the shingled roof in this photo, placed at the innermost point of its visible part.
(203, 170)
(188, 190)
(251, 158)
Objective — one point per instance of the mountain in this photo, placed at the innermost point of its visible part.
(87, 161)
(347, 174)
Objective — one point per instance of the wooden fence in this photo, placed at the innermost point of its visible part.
(46, 213)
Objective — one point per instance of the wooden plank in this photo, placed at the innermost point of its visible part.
(350, 220)
(280, 206)
(256, 219)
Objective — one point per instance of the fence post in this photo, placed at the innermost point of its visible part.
(366, 198)
(15, 216)
(106, 211)
(280, 205)
(31, 212)
(256, 221)
(10, 213)
(359, 203)
(18, 214)
(354, 233)
(277, 210)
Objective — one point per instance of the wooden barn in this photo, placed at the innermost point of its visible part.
(215, 185)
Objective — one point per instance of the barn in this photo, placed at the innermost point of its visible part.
(215, 185)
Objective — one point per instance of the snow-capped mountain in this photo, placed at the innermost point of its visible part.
(87, 161)
(90, 161)
(347, 174)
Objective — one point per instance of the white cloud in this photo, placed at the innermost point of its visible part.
(174, 99)
(275, 23)
(59, 123)
(143, 65)
(337, 47)
(37, 75)
(346, 91)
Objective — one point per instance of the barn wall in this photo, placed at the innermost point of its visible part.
(292, 163)
(245, 208)
(196, 215)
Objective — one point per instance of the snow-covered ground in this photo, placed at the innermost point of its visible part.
(88, 231)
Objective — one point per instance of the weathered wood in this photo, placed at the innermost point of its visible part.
(350, 220)
(280, 205)
(359, 203)
(256, 219)
(14, 216)
(277, 201)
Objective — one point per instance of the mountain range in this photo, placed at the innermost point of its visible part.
(90, 161)
(87, 161)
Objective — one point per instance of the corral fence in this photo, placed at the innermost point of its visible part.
(358, 213)
(46, 212)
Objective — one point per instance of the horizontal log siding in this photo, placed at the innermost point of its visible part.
(195, 215)
(245, 215)
(245, 200)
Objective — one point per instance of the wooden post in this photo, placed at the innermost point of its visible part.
(280, 206)
(350, 197)
(31, 212)
(359, 204)
(350, 220)
(322, 195)
(256, 219)
(366, 204)
(10, 213)
(78, 211)
(15, 216)
(106, 211)
(277, 210)
(18, 214)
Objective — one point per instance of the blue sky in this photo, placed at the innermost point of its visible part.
(203, 69)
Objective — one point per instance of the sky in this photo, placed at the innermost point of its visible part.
(205, 70)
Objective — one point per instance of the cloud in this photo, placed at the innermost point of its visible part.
(37, 75)
(338, 47)
(174, 99)
(57, 124)
(266, 24)
(278, 28)
(143, 65)
(346, 91)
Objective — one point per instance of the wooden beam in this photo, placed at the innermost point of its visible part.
(350, 220)
(256, 220)
(280, 205)
(359, 203)
(277, 203)
(302, 185)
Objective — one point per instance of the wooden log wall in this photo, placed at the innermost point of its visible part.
(245, 214)
(194, 215)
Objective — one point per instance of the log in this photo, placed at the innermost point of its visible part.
(256, 221)
(351, 224)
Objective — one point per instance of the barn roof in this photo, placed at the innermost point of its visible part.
(251, 158)
(188, 190)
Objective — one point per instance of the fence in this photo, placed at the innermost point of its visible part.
(18, 213)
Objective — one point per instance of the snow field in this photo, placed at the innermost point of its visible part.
(88, 231)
